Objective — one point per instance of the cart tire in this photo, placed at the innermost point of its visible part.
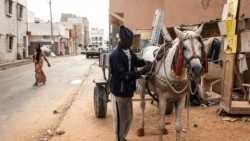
(100, 101)
(169, 108)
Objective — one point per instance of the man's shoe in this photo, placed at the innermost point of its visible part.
(35, 84)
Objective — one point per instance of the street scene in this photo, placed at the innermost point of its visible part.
(63, 109)
(124, 70)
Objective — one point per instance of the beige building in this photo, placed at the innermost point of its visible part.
(71, 46)
(13, 27)
(41, 33)
(83, 36)
(139, 14)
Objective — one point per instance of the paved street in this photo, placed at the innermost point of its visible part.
(29, 110)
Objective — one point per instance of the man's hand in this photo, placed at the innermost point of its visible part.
(146, 69)
(148, 62)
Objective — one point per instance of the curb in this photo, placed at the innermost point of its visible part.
(8, 65)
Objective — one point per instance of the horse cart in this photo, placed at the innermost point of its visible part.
(102, 92)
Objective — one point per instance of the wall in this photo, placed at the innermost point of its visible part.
(140, 14)
(45, 29)
(41, 33)
(16, 27)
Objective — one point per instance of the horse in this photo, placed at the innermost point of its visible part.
(183, 59)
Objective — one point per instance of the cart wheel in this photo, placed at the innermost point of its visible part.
(100, 101)
(169, 108)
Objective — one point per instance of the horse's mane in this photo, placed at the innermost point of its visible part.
(190, 35)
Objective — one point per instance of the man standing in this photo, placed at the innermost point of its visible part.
(122, 64)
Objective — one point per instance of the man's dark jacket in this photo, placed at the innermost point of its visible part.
(122, 81)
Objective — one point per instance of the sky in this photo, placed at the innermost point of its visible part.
(95, 10)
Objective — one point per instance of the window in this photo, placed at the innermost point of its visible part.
(8, 4)
(10, 39)
(24, 41)
(19, 11)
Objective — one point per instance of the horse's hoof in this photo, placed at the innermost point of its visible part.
(140, 132)
(165, 131)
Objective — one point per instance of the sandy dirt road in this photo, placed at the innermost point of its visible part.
(80, 123)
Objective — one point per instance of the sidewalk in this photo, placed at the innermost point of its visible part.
(4, 65)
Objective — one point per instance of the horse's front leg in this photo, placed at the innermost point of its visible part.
(178, 126)
(162, 109)
(142, 90)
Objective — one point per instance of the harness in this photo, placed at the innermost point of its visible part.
(174, 85)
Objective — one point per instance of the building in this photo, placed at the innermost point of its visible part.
(83, 36)
(79, 27)
(137, 14)
(41, 33)
(97, 36)
(86, 31)
(13, 27)
(71, 46)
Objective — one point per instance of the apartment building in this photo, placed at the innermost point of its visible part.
(79, 27)
(13, 27)
(83, 36)
(97, 36)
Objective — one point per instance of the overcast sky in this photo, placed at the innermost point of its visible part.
(95, 10)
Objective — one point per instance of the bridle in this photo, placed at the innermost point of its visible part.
(194, 55)
(188, 60)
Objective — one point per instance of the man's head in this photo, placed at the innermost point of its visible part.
(126, 37)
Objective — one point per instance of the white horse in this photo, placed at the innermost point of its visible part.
(171, 75)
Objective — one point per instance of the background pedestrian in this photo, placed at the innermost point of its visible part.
(38, 57)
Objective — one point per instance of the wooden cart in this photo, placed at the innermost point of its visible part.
(101, 90)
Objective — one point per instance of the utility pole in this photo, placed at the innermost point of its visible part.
(51, 26)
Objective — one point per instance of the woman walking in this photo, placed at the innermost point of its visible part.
(38, 57)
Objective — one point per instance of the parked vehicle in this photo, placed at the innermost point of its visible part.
(93, 50)
(83, 50)
(104, 48)
(48, 50)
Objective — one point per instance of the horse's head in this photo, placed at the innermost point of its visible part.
(192, 50)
